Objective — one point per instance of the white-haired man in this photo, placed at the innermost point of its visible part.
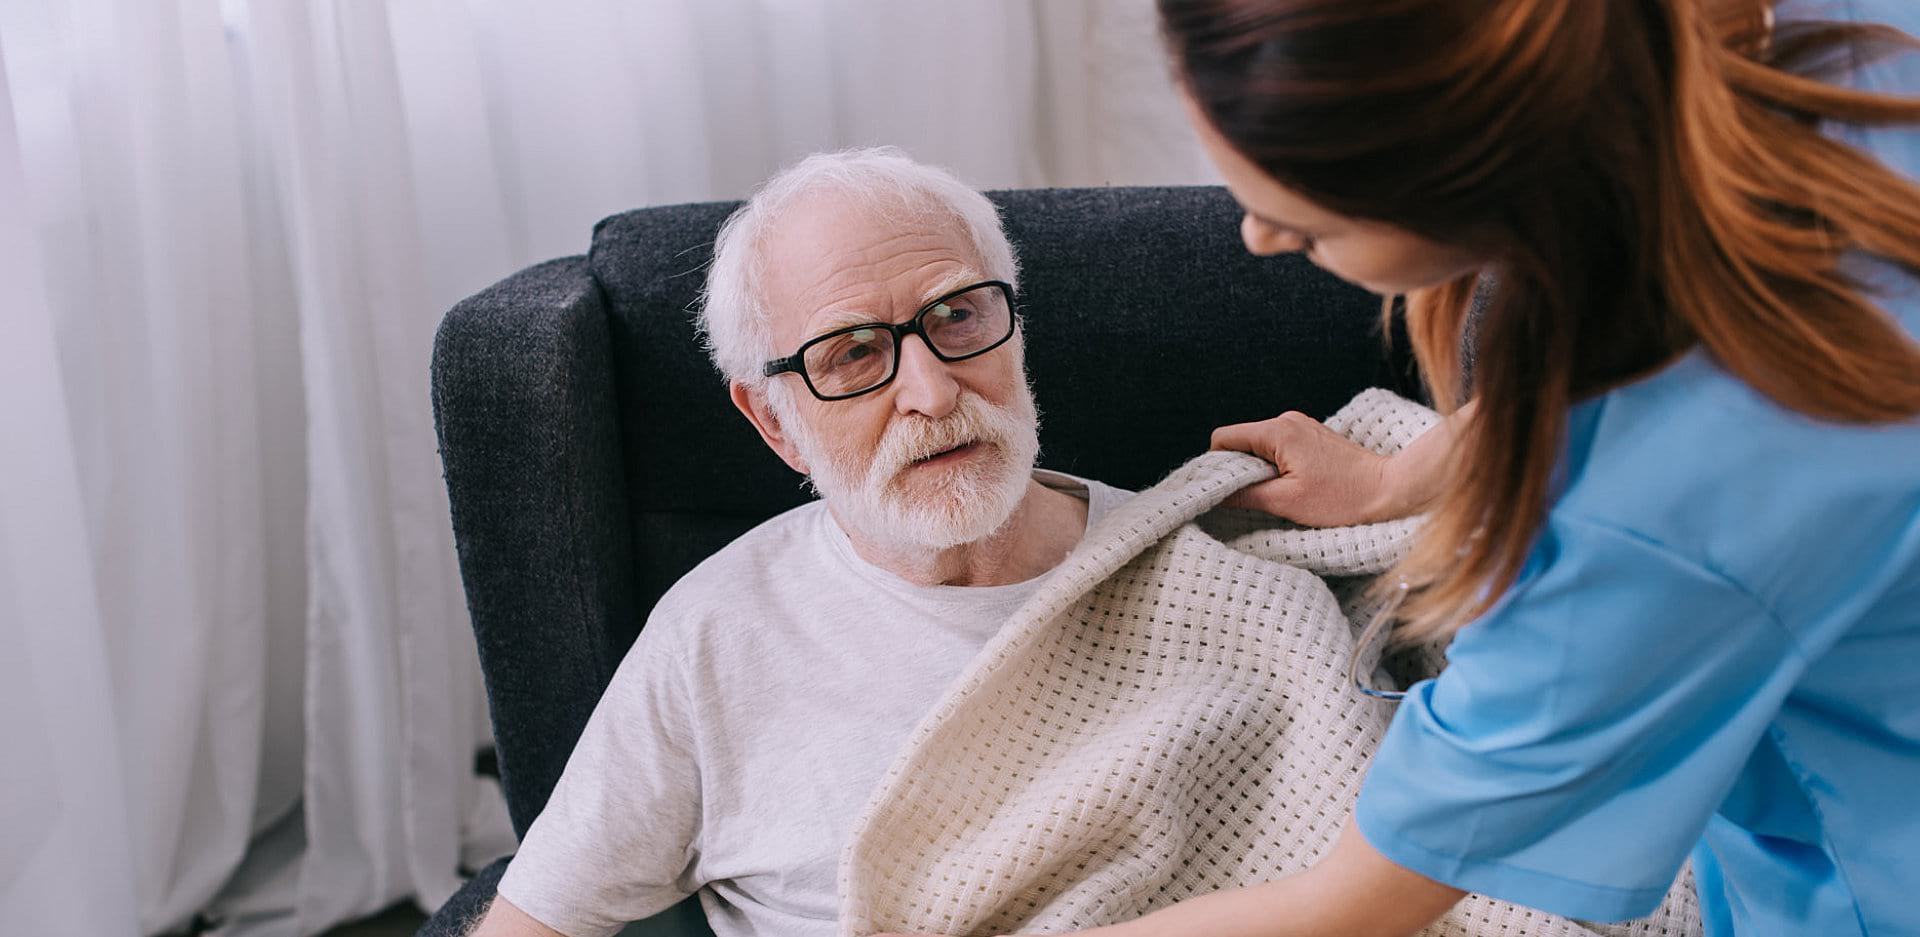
(860, 305)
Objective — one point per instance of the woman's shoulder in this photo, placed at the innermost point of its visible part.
(1887, 71)
(1703, 464)
(1900, 14)
(1695, 434)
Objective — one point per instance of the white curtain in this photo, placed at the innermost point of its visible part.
(236, 677)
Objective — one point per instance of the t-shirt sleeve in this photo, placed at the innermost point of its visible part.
(617, 841)
(1584, 731)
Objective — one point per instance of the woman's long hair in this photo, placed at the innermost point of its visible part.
(1644, 176)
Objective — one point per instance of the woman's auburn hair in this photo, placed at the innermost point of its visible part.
(1644, 176)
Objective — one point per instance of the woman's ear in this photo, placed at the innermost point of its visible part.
(752, 401)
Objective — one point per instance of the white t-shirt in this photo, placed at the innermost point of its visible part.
(746, 729)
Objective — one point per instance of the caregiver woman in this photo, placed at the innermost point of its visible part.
(1677, 541)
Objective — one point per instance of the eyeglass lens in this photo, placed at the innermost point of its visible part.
(861, 359)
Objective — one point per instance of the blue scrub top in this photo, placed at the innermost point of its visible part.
(1713, 651)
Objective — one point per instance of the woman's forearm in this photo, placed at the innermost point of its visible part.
(1257, 911)
(1353, 892)
(1414, 478)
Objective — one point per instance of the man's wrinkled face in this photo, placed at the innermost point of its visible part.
(943, 454)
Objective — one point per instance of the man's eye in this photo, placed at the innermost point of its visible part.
(952, 313)
(857, 347)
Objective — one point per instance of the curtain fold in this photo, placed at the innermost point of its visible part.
(140, 263)
(236, 678)
(67, 859)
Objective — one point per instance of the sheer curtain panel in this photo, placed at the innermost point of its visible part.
(237, 687)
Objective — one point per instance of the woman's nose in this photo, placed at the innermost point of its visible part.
(1265, 240)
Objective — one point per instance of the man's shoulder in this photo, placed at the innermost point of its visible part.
(770, 572)
(1099, 494)
(791, 540)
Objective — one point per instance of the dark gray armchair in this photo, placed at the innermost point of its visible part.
(592, 456)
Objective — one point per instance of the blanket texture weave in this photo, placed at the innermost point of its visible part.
(1168, 716)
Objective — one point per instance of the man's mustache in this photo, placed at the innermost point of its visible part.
(916, 439)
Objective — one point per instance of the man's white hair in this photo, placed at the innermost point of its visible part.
(734, 318)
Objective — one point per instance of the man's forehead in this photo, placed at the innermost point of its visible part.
(841, 259)
(866, 306)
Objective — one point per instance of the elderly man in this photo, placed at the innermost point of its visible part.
(860, 305)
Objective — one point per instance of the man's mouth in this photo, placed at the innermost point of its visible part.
(944, 456)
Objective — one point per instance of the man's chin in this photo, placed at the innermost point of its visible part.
(947, 505)
(927, 528)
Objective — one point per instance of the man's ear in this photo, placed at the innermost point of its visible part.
(753, 403)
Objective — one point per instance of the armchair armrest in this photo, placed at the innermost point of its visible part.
(524, 402)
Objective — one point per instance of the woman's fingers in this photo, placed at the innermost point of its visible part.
(1325, 480)
(1266, 438)
(1278, 496)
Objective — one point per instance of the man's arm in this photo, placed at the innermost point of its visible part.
(631, 789)
(504, 920)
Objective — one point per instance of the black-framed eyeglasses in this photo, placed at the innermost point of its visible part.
(860, 359)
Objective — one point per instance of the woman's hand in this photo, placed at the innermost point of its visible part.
(1327, 480)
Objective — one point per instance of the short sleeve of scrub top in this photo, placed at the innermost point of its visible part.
(1626, 695)
(1549, 744)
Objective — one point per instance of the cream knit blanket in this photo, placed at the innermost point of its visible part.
(1168, 716)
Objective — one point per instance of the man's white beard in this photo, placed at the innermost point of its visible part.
(883, 497)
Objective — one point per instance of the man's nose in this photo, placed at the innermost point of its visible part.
(925, 384)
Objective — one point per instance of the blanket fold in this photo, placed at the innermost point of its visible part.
(1169, 715)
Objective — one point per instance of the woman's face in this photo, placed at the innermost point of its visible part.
(1369, 254)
